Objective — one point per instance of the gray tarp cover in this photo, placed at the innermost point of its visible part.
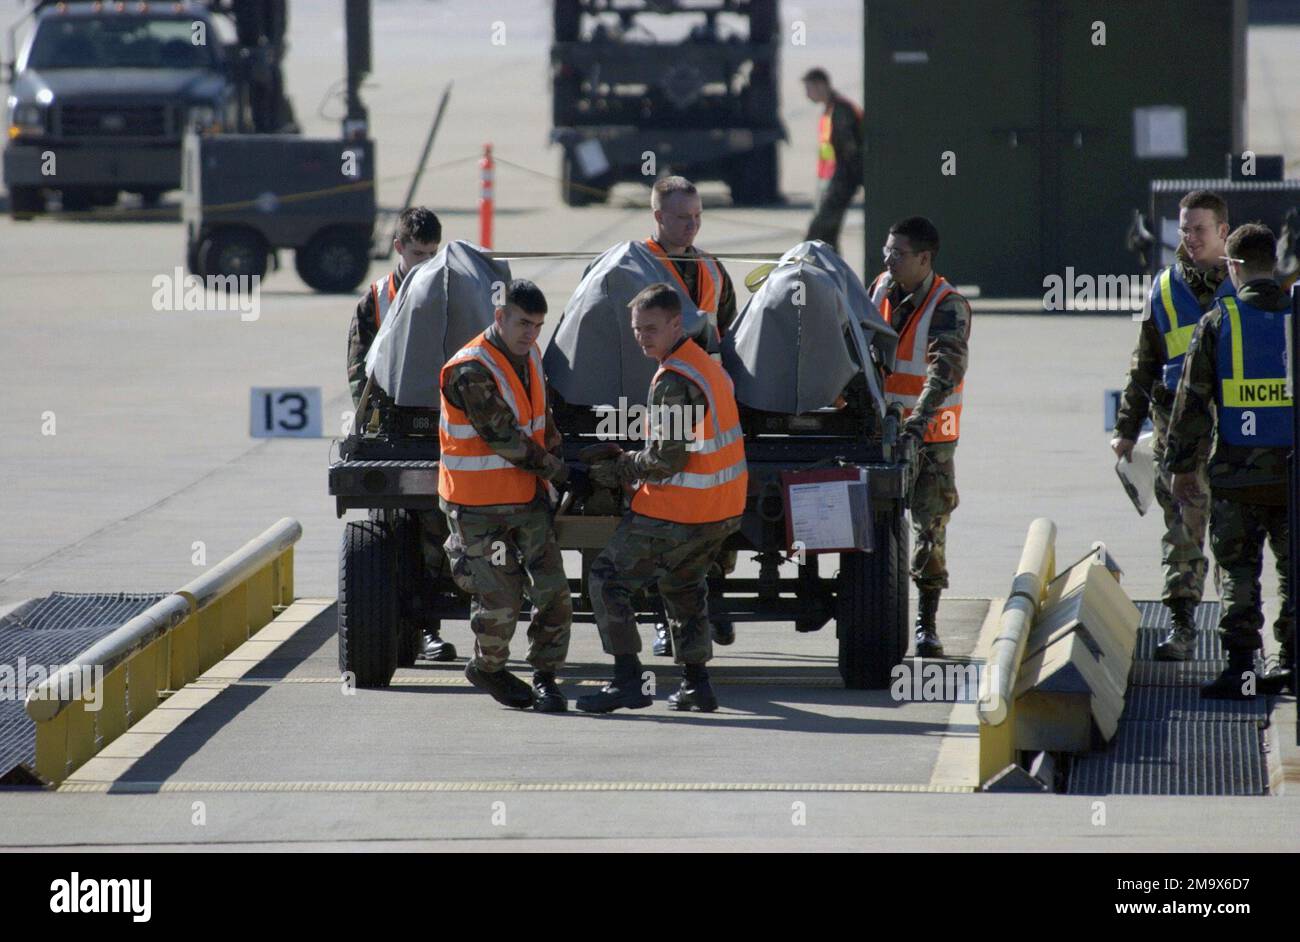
(443, 304)
(593, 359)
(803, 334)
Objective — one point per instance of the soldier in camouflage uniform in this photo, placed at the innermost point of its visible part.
(499, 552)
(1235, 372)
(1178, 297)
(908, 293)
(416, 239)
(675, 530)
(678, 216)
(418, 235)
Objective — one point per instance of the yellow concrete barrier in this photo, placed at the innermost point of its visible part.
(1057, 673)
(160, 651)
(1074, 675)
(996, 704)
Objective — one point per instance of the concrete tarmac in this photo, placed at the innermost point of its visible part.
(128, 466)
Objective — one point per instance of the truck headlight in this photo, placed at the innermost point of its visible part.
(27, 121)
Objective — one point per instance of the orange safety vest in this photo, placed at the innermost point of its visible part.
(469, 471)
(825, 149)
(713, 484)
(382, 293)
(708, 280)
(905, 383)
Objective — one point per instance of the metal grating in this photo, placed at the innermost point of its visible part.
(44, 634)
(1155, 624)
(1170, 741)
(1217, 758)
(1184, 704)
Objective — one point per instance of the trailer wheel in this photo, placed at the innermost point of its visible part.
(335, 261)
(368, 623)
(871, 608)
(26, 201)
(233, 251)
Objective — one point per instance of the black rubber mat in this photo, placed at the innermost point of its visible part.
(1170, 741)
(41, 635)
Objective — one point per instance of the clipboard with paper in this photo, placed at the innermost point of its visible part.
(827, 510)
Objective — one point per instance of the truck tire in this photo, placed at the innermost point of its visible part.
(26, 202)
(368, 622)
(871, 608)
(754, 178)
(233, 251)
(578, 192)
(334, 261)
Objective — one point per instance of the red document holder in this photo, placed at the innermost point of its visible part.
(859, 505)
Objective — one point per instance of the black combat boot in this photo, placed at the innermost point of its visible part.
(695, 693)
(723, 631)
(1231, 685)
(624, 691)
(1180, 642)
(435, 649)
(663, 646)
(547, 696)
(504, 687)
(927, 632)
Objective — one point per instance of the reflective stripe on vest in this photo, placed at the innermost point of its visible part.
(1176, 314)
(1254, 410)
(382, 293)
(708, 280)
(713, 484)
(906, 383)
(469, 471)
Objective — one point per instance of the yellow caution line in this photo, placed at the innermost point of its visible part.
(958, 759)
(256, 787)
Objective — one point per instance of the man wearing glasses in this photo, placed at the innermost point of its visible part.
(933, 323)
(1233, 392)
(1179, 296)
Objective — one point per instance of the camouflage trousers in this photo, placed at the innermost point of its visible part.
(676, 558)
(934, 498)
(1237, 533)
(498, 558)
(1182, 548)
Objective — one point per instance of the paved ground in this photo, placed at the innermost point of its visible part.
(151, 455)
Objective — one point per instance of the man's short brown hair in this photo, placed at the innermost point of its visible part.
(418, 224)
(1255, 245)
(666, 187)
(659, 295)
(1206, 199)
